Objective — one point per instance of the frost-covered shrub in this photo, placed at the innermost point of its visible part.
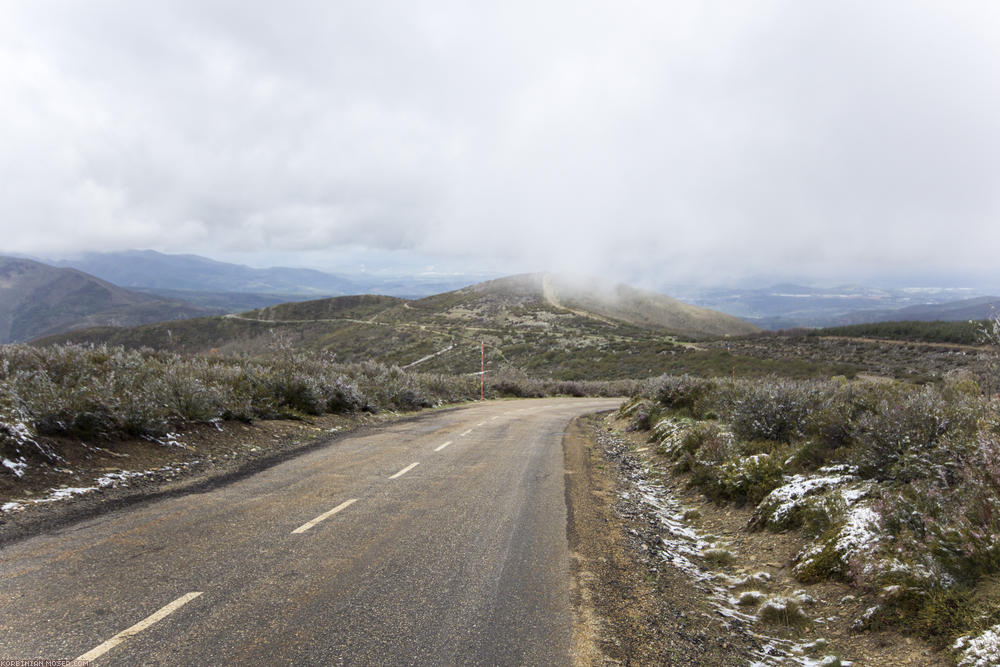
(508, 381)
(806, 500)
(829, 423)
(107, 392)
(736, 478)
(770, 410)
(341, 395)
(683, 439)
(696, 396)
(899, 437)
(187, 393)
(18, 443)
(750, 479)
(955, 517)
(852, 542)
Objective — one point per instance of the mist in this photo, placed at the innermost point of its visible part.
(651, 142)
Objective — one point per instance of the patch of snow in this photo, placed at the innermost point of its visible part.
(168, 440)
(853, 494)
(860, 531)
(858, 537)
(16, 467)
(115, 478)
(778, 505)
(65, 492)
(108, 480)
(979, 651)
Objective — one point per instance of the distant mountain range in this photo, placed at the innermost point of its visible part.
(37, 300)
(207, 281)
(154, 270)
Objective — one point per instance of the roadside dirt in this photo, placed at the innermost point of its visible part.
(627, 614)
(644, 596)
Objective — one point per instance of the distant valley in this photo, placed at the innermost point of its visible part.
(786, 306)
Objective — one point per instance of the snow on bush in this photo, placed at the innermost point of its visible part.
(786, 505)
(983, 650)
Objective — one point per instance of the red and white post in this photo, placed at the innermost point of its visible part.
(482, 370)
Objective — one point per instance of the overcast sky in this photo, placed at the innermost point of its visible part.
(659, 141)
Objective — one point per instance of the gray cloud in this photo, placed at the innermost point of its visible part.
(664, 140)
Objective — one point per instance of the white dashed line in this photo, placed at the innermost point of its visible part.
(438, 449)
(465, 434)
(405, 470)
(495, 418)
(325, 515)
(481, 424)
(95, 653)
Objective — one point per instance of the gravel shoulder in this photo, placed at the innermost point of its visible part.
(628, 611)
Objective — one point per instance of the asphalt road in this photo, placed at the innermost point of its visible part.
(459, 559)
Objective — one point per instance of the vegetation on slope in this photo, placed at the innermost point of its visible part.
(897, 486)
(101, 393)
(962, 333)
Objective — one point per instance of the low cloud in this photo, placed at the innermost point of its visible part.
(671, 141)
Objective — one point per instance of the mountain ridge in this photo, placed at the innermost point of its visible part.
(539, 322)
(37, 300)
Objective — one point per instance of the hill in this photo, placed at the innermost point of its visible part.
(541, 323)
(978, 308)
(39, 300)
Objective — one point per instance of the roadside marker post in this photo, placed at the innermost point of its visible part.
(482, 369)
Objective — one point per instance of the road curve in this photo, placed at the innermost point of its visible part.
(437, 540)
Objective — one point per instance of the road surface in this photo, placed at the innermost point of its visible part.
(437, 540)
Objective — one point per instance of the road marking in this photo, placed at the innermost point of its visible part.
(466, 433)
(405, 470)
(325, 515)
(481, 424)
(438, 449)
(95, 653)
(495, 418)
